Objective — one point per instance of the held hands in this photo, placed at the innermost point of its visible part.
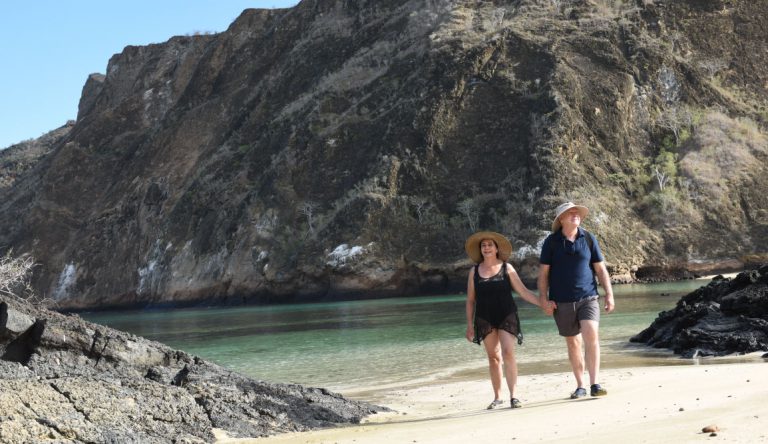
(549, 307)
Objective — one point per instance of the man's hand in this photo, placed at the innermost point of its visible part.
(549, 307)
(609, 304)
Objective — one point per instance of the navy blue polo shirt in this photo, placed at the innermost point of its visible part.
(570, 266)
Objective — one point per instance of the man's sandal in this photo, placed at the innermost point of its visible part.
(596, 390)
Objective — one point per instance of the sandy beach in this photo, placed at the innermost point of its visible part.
(645, 404)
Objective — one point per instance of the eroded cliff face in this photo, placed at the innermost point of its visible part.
(349, 147)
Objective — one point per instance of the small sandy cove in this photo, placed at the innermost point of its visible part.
(666, 404)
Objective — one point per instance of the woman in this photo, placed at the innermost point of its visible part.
(491, 312)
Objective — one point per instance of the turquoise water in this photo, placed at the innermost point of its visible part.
(370, 343)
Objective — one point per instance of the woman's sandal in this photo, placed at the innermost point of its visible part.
(495, 404)
(515, 403)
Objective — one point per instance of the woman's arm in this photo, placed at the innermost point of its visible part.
(520, 288)
(470, 306)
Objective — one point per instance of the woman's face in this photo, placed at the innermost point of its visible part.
(488, 248)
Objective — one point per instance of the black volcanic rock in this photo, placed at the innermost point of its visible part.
(726, 316)
(65, 379)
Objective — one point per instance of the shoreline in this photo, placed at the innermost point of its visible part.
(456, 288)
(712, 276)
(658, 403)
(648, 358)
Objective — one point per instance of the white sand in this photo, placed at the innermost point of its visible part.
(669, 404)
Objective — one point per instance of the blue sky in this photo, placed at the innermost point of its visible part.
(48, 48)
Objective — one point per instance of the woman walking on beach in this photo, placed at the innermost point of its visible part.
(491, 311)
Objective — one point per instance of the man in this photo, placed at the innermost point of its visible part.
(568, 257)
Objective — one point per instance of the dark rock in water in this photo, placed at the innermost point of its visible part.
(70, 380)
(726, 316)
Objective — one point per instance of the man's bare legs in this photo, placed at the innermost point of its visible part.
(591, 349)
(576, 356)
(586, 344)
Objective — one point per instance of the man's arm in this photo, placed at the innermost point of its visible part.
(605, 281)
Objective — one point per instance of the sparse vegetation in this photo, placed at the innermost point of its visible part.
(664, 168)
(15, 274)
(469, 209)
(722, 151)
(309, 209)
(677, 120)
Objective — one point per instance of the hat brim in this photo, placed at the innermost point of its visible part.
(472, 245)
(583, 211)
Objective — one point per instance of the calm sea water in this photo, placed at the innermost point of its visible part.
(374, 343)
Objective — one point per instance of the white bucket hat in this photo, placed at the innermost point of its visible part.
(565, 207)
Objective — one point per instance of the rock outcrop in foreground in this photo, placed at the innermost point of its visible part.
(68, 380)
(726, 316)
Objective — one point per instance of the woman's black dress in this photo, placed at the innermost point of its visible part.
(494, 305)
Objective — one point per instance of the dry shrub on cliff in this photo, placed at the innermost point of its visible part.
(596, 9)
(472, 23)
(14, 276)
(722, 157)
(722, 150)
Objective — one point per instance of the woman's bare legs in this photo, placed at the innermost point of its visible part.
(493, 349)
(507, 341)
(500, 347)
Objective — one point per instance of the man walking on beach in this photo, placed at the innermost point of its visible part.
(568, 257)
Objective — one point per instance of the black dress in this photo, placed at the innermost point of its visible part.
(494, 306)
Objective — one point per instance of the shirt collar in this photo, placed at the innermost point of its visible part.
(580, 233)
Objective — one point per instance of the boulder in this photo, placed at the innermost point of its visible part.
(724, 317)
(65, 379)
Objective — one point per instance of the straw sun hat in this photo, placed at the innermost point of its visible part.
(472, 246)
(565, 207)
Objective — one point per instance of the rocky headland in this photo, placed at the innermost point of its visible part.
(66, 380)
(724, 317)
(347, 148)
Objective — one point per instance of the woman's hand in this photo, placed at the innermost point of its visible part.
(549, 308)
(470, 334)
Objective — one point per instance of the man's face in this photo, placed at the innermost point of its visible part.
(571, 217)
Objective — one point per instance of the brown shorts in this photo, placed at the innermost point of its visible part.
(568, 315)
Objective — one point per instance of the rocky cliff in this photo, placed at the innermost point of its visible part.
(348, 148)
(727, 316)
(67, 380)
